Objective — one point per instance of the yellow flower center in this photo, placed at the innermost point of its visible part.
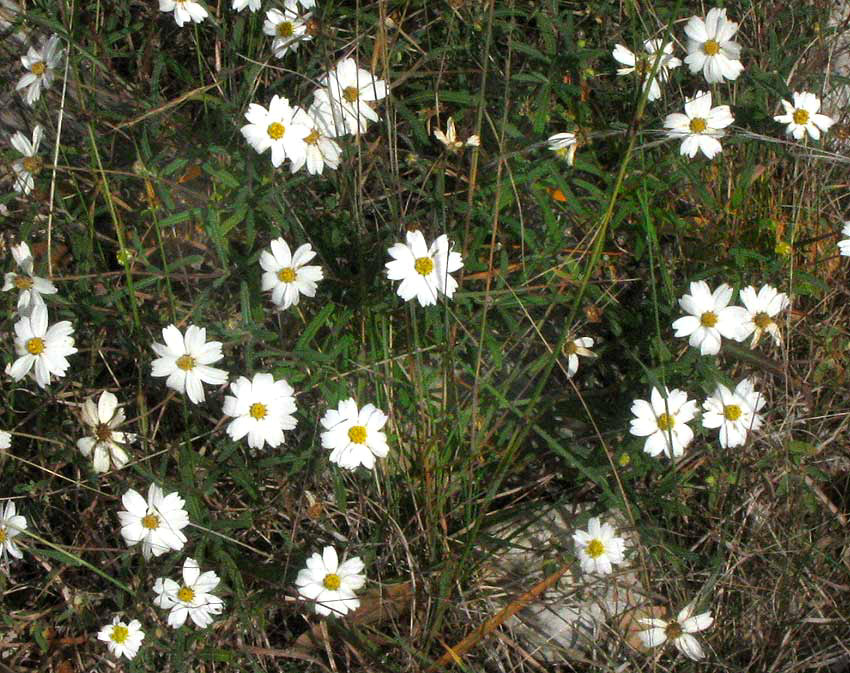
(331, 582)
(258, 411)
(276, 130)
(562, 152)
(595, 548)
(708, 319)
(732, 412)
(313, 138)
(2, 535)
(23, 282)
(570, 348)
(666, 422)
(710, 47)
(624, 460)
(119, 634)
(186, 362)
(185, 594)
(801, 117)
(762, 320)
(673, 630)
(285, 29)
(286, 275)
(103, 432)
(351, 93)
(424, 266)
(32, 165)
(38, 68)
(697, 125)
(151, 522)
(35, 346)
(357, 434)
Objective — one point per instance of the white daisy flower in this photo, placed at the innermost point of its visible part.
(122, 639)
(346, 93)
(156, 523)
(277, 128)
(663, 421)
(253, 5)
(191, 599)
(5, 440)
(734, 412)
(331, 584)
(354, 436)
(322, 149)
(288, 276)
(11, 524)
(41, 348)
(423, 271)
(185, 361)
(40, 64)
(104, 444)
(598, 547)
(710, 47)
(700, 126)
(31, 287)
(575, 347)
(710, 318)
(287, 28)
(450, 140)
(184, 10)
(564, 146)
(677, 631)
(763, 308)
(262, 409)
(844, 246)
(642, 65)
(802, 117)
(31, 164)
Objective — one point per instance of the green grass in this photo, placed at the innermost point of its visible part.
(161, 210)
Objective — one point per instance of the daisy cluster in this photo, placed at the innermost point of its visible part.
(712, 52)
(261, 408)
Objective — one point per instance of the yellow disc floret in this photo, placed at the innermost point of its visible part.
(595, 548)
(732, 412)
(151, 522)
(186, 362)
(258, 411)
(285, 29)
(35, 346)
(351, 93)
(119, 634)
(38, 68)
(357, 434)
(424, 266)
(801, 117)
(711, 47)
(23, 282)
(276, 130)
(287, 275)
(708, 319)
(666, 422)
(698, 125)
(185, 594)
(331, 582)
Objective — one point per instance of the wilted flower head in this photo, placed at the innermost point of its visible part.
(642, 65)
(104, 444)
(31, 287)
(564, 146)
(30, 165)
(677, 631)
(763, 307)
